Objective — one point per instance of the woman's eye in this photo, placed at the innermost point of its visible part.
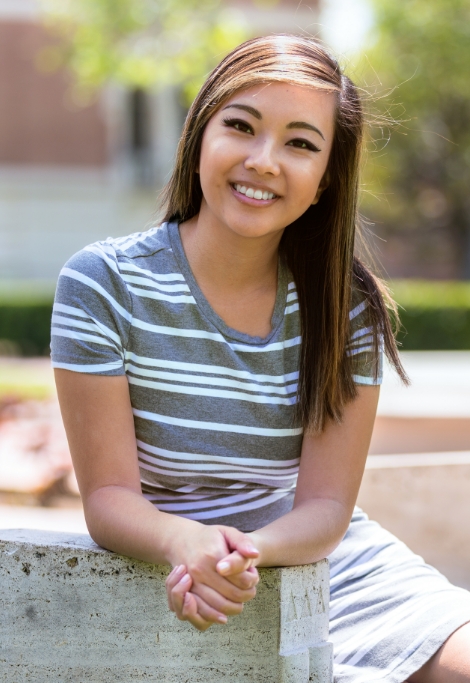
(303, 144)
(238, 124)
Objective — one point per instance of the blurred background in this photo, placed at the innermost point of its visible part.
(93, 95)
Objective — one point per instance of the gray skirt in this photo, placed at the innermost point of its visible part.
(389, 611)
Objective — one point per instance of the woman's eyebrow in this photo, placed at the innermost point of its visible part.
(257, 114)
(246, 107)
(308, 126)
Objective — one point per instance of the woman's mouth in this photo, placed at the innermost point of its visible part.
(253, 193)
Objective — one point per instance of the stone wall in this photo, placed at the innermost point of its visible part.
(71, 611)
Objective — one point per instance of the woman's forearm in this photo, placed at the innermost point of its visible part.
(123, 521)
(308, 533)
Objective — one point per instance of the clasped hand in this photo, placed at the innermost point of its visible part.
(213, 577)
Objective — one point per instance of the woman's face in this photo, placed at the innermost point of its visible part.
(263, 157)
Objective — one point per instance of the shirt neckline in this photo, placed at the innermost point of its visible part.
(207, 310)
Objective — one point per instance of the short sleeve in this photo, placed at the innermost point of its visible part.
(366, 360)
(92, 313)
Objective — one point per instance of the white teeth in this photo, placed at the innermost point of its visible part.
(254, 194)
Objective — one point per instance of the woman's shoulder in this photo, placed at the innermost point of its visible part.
(104, 257)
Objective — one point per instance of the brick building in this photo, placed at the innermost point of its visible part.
(70, 175)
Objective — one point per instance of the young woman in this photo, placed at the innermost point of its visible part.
(218, 375)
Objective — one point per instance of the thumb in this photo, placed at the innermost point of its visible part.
(237, 540)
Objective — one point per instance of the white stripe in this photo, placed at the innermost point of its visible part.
(98, 367)
(180, 507)
(292, 296)
(253, 505)
(214, 393)
(353, 560)
(291, 309)
(362, 340)
(82, 336)
(75, 275)
(399, 616)
(131, 240)
(158, 277)
(174, 299)
(249, 462)
(218, 471)
(215, 426)
(61, 320)
(355, 352)
(178, 332)
(359, 308)
(106, 255)
(291, 285)
(361, 332)
(62, 308)
(276, 346)
(370, 381)
(95, 326)
(416, 643)
(147, 282)
(211, 369)
(212, 381)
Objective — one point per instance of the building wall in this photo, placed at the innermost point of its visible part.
(39, 124)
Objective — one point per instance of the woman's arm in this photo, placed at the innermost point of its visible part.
(331, 468)
(98, 419)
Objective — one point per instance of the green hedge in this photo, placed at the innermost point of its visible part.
(25, 317)
(435, 315)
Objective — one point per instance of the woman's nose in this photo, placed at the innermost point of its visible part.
(263, 158)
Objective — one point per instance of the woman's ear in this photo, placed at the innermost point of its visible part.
(324, 182)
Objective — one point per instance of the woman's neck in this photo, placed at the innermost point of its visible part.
(237, 274)
(232, 262)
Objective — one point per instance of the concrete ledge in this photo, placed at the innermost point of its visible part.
(423, 498)
(73, 612)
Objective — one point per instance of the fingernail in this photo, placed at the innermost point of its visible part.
(178, 569)
(186, 578)
(223, 566)
(253, 550)
(222, 619)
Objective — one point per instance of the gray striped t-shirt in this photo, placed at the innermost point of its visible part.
(213, 407)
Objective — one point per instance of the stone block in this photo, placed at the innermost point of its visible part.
(71, 612)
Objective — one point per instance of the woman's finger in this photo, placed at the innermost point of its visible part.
(208, 613)
(237, 540)
(235, 563)
(245, 580)
(171, 581)
(190, 613)
(221, 603)
(178, 593)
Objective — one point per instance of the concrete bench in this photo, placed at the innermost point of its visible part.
(73, 612)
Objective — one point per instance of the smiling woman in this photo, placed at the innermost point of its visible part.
(218, 374)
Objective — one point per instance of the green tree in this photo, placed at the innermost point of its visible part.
(139, 43)
(420, 52)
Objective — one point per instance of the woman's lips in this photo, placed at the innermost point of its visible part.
(251, 200)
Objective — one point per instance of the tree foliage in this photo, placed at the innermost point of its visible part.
(139, 43)
(418, 54)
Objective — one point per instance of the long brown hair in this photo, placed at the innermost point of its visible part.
(319, 245)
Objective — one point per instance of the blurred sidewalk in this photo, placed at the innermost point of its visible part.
(433, 414)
